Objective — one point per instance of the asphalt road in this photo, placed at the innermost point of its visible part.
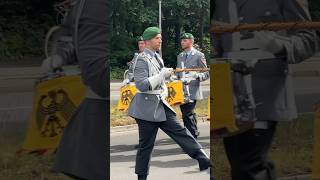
(168, 160)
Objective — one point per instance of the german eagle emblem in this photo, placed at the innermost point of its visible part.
(54, 110)
(171, 94)
(126, 97)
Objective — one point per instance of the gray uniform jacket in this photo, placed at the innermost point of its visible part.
(83, 151)
(148, 104)
(194, 59)
(271, 79)
(131, 65)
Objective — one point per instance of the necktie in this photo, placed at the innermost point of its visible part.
(186, 57)
(159, 62)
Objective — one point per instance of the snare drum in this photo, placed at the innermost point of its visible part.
(225, 117)
(127, 93)
(175, 93)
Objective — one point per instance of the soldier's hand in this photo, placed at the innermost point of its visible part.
(192, 75)
(173, 78)
(166, 72)
(186, 80)
(51, 64)
(270, 41)
(125, 82)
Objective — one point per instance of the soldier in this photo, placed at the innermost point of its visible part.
(151, 111)
(83, 152)
(271, 80)
(191, 58)
(62, 51)
(141, 46)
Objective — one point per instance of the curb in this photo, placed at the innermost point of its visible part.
(314, 73)
(297, 177)
(132, 127)
(123, 128)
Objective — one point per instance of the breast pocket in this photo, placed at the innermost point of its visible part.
(270, 14)
(192, 63)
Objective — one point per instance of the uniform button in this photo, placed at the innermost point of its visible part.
(146, 98)
(267, 13)
(241, 18)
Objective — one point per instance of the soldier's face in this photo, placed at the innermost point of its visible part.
(141, 45)
(186, 43)
(155, 43)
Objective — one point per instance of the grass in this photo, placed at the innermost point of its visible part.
(118, 118)
(291, 150)
(26, 167)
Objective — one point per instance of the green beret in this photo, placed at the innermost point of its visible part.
(187, 36)
(139, 38)
(150, 33)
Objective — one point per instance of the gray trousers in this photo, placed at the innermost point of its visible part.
(189, 117)
(83, 152)
(247, 154)
(147, 136)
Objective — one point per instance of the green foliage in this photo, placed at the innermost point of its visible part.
(131, 17)
(116, 73)
(315, 9)
(22, 37)
(23, 25)
(122, 50)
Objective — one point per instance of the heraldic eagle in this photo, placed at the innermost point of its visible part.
(53, 106)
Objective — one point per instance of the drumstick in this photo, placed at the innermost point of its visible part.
(191, 69)
(219, 28)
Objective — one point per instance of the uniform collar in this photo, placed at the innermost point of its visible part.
(149, 52)
(191, 51)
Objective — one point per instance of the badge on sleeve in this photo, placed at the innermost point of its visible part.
(203, 60)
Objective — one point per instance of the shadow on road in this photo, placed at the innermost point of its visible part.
(123, 149)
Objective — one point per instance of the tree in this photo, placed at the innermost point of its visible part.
(131, 17)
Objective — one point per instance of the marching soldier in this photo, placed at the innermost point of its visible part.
(271, 80)
(62, 51)
(141, 46)
(151, 111)
(191, 58)
(83, 152)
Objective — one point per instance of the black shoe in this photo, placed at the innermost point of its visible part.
(142, 177)
(203, 160)
(204, 164)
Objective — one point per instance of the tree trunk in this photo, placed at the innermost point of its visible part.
(177, 33)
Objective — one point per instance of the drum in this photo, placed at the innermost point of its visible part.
(175, 93)
(231, 109)
(54, 102)
(127, 93)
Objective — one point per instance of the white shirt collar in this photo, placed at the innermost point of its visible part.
(191, 51)
(149, 52)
